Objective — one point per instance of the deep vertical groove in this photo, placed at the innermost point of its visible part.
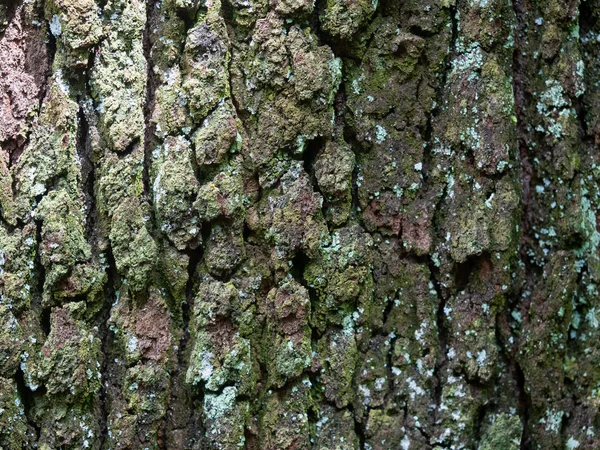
(526, 177)
(151, 84)
(110, 297)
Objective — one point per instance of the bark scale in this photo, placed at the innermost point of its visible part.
(293, 224)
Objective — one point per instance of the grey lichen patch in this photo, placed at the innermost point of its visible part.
(471, 320)
(333, 170)
(76, 26)
(287, 344)
(504, 433)
(483, 110)
(118, 78)
(246, 12)
(51, 156)
(174, 189)
(14, 431)
(290, 217)
(204, 65)
(473, 225)
(146, 392)
(11, 342)
(343, 19)
(340, 274)
(225, 418)
(217, 137)
(458, 406)
(335, 430)
(220, 355)
(17, 266)
(338, 354)
(411, 326)
(64, 250)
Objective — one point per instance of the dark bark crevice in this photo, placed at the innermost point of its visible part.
(110, 296)
(27, 397)
(151, 85)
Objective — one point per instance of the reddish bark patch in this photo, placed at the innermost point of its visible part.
(152, 330)
(23, 66)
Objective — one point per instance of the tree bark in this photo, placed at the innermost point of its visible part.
(241, 224)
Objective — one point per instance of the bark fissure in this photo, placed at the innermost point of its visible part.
(295, 225)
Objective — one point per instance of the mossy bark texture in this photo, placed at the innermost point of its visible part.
(288, 224)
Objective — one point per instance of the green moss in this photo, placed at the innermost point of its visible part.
(290, 216)
(214, 361)
(504, 433)
(287, 339)
(333, 170)
(133, 247)
(77, 27)
(339, 355)
(217, 136)
(343, 20)
(225, 250)
(118, 78)
(17, 256)
(11, 342)
(204, 66)
(222, 197)
(335, 430)
(225, 418)
(284, 420)
(175, 189)
(51, 156)
(340, 275)
(64, 250)
(13, 422)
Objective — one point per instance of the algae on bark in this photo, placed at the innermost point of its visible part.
(291, 224)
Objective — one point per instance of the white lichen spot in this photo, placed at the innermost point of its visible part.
(451, 354)
(218, 406)
(206, 367)
(380, 134)
(481, 357)
(405, 443)
(552, 420)
(55, 27)
(572, 443)
(132, 344)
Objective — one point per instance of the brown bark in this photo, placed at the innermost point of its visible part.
(291, 225)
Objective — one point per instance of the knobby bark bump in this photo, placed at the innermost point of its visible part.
(296, 224)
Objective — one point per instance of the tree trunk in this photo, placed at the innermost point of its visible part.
(289, 225)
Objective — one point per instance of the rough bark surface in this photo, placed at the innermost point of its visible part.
(288, 224)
